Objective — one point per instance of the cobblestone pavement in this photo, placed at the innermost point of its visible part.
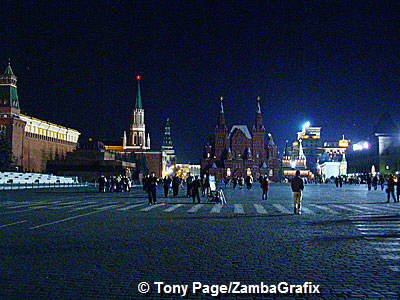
(82, 244)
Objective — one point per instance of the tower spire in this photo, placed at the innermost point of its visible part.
(8, 91)
(222, 105)
(258, 105)
(138, 96)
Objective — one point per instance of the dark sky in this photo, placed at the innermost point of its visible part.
(336, 65)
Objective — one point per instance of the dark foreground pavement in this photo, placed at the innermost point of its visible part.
(81, 244)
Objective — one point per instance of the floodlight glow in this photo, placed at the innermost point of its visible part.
(361, 146)
(306, 125)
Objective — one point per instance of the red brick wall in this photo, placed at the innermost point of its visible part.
(37, 150)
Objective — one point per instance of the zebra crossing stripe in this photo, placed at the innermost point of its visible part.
(281, 208)
(85, 207)
(347, 208)
(216, 208)
(327, 209)
(307, 210)
(108, 207)
(172, 208)
(195, 208)
(130, 206)
(260, 209)
(148, 208)
(391, 256)
(365, 207)
(393, 249)
(238, 209)
(395, 268)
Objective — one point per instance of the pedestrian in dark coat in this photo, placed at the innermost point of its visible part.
(398, 188)
(189, 181)
(375, 182)
(369, 182)
(152, 188)
(265, 187)
(390, 188)
(297, 189)
(196, 189)
(175, 185)
(166, 183)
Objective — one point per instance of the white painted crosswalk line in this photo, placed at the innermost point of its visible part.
(87, 206)
(15, 223)
(387, 244)
(307, 210)
(148, 208)
(216, 208)
(195, 208)
(130, 206)
(238, 209)
(395, 268)
(108, 207)
(325, 208)
(281, 208)
(348, 208)
(369, 208)
(260, 209)
(172, 208)
(391, 256)
(392, 249)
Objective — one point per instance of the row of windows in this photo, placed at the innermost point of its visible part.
(46, 138)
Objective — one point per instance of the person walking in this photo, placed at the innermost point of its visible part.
(265, 187)
(398, 188)
(297, 189)
(369, 182)
(234, 182)
(375, 182)
(390, 188)
(152, 188)
(166, 183)
(189, 181)
(382, 181)
(196, 189)
(175, 185)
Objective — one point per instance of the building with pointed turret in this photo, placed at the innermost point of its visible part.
(239, 151)
(32, 141)
(137, 142)
(168, 149)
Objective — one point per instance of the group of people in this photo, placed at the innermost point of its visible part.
(391, 183)
(373, 181)
(114, 184)
(193, 186)
(239, 181)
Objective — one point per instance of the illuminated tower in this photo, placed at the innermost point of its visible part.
(9, 103)
(221, 132)
(167, 146)
(137, 134)
(258, 132)
(301, 160)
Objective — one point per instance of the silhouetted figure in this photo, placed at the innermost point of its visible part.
(375, 182)
(297, 189)
(166, 183)
(152, 188)
(390, 188)
(189, 181)
(265, 187)
(369, 182)
(196, 184)
(176, 181)
(382, 181)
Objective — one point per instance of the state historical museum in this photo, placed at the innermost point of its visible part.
(240, 152)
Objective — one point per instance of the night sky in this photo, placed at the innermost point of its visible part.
(334, 65)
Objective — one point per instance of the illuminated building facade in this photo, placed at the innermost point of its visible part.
(380, 151)
(168, 151)
(32, 141)
(138, 143)
(239, 151)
